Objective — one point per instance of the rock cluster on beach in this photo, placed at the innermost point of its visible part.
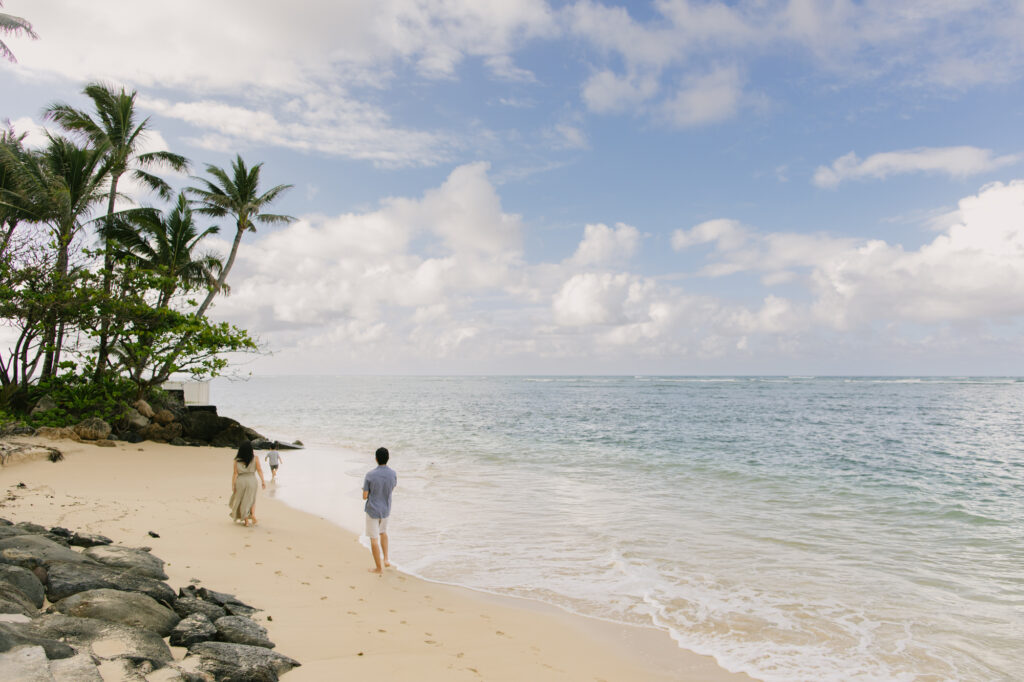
(74, 606)
(172, 423)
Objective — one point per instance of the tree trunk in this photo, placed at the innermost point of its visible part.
(108, 266)
(239, 230)
(51, 338)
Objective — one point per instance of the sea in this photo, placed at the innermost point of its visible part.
(794, 528)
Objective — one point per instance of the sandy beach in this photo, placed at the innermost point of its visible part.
(310, 577)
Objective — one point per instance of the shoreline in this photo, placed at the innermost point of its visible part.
(310, 577)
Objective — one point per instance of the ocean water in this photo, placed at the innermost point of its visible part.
(795, 528)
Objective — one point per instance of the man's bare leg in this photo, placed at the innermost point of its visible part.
(384, 548)
(375, 550)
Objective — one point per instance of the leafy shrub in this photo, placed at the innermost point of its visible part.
(79, 396)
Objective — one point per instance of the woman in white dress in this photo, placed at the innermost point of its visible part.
(244, 469)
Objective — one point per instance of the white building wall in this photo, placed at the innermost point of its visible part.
(196, 392)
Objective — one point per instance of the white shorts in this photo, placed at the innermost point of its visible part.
(374, 527)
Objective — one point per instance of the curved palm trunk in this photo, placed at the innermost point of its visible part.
(240, 229)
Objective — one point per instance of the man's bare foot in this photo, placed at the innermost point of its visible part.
(378, 571)
(387, 564)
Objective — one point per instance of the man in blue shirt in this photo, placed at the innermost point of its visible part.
(377, 487)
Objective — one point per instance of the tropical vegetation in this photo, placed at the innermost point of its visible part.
(102, 299)
(13, 25)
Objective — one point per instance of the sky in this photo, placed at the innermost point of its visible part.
(780, 187)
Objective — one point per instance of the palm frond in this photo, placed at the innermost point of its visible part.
(14, 26)
(153, 182)
(176, 162)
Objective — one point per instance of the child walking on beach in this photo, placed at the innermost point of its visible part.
(377, 487)
(274, 458)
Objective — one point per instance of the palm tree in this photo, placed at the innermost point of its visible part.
(166, 245)
(117, 129)
(237, 195)
(13, 207)
(14, 26)
(60, 185)
(149, 241)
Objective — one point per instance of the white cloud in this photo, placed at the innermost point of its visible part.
(600, 299)
(727, 234)
(775, 255)
(364, 267)
(466, 213)
(517, 102)
(505, 69)
(705, 99)
(566, 136)
(602, 245)
(289, 75)
(975, 271)
(326, 124)
(35, 133)
(442, 276)
(608, 92)
(236, 45)
(612, 29)
(956, 162)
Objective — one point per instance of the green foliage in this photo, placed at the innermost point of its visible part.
(6, 417)
(79, 395)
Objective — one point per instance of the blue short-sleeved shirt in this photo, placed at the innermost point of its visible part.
(379, 483)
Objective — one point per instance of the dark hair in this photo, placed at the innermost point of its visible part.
(245, 453)
(382, 456)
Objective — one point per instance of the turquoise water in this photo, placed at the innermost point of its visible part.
(794, 528)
